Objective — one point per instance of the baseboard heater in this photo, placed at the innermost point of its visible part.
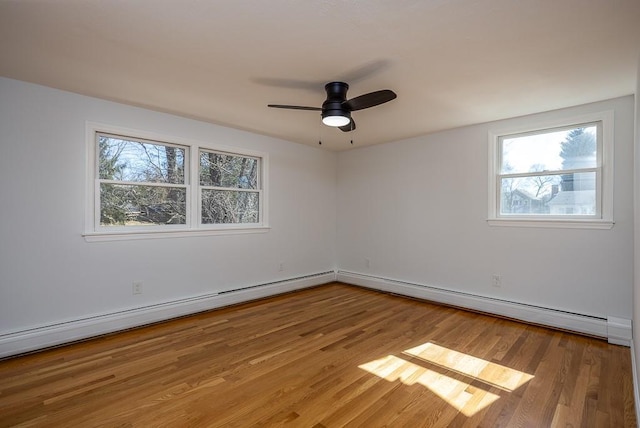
(615, 330)
(55, 334)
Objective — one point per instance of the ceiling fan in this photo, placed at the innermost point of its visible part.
(336, 109)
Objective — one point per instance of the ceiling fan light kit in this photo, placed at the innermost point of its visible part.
(336, 121)
(336, 109)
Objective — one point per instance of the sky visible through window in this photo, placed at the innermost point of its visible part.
(535, 152)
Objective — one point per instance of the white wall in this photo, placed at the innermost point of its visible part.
(49, 274)
(417, 210)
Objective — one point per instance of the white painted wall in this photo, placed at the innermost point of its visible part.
(417, 210)
(49, 274)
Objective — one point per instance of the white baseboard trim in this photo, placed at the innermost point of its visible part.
(616, 330)
(56, 334)
(634, 372)
(619, 331)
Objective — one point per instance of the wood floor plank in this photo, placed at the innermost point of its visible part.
(329, 356)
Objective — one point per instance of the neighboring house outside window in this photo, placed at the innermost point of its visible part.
(521, 201)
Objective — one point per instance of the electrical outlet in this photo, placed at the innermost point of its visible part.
(496, 280)
(367, 263)
(281, 267)
(137, 287)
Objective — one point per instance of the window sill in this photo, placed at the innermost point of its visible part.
(552, 223)
(161, 234)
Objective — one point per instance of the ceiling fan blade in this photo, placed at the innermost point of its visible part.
(349, 126)
(371, 99)
(294, 107)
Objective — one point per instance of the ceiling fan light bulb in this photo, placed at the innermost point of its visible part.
(336, 121)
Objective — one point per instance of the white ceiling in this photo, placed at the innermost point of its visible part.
(451, 62)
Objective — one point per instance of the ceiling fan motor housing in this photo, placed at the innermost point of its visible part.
(336, 96)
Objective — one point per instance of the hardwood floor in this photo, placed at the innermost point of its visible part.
(330, 356)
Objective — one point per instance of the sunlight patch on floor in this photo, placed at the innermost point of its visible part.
(465, 398)
(490, 373)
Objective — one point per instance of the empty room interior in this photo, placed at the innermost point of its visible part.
(319, 214)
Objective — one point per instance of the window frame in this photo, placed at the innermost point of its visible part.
(604, 174)
(94, 231)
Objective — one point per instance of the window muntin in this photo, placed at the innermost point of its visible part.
(140, 183)
(230, 188)
(553, 173)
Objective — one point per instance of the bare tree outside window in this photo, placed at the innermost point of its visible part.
(140, 182)
(230, 188)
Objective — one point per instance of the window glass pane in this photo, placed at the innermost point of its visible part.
(223, 170)
(559, 194)
(129, 160)
(229, 206)
(140, 205)
(550, 151)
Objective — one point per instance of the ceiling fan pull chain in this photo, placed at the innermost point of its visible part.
(353, 130)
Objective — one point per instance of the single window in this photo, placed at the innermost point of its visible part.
(229, 188)
(556, 174)
(141, 183)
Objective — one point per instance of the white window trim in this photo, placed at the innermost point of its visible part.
(93, 233)
(606, 189)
